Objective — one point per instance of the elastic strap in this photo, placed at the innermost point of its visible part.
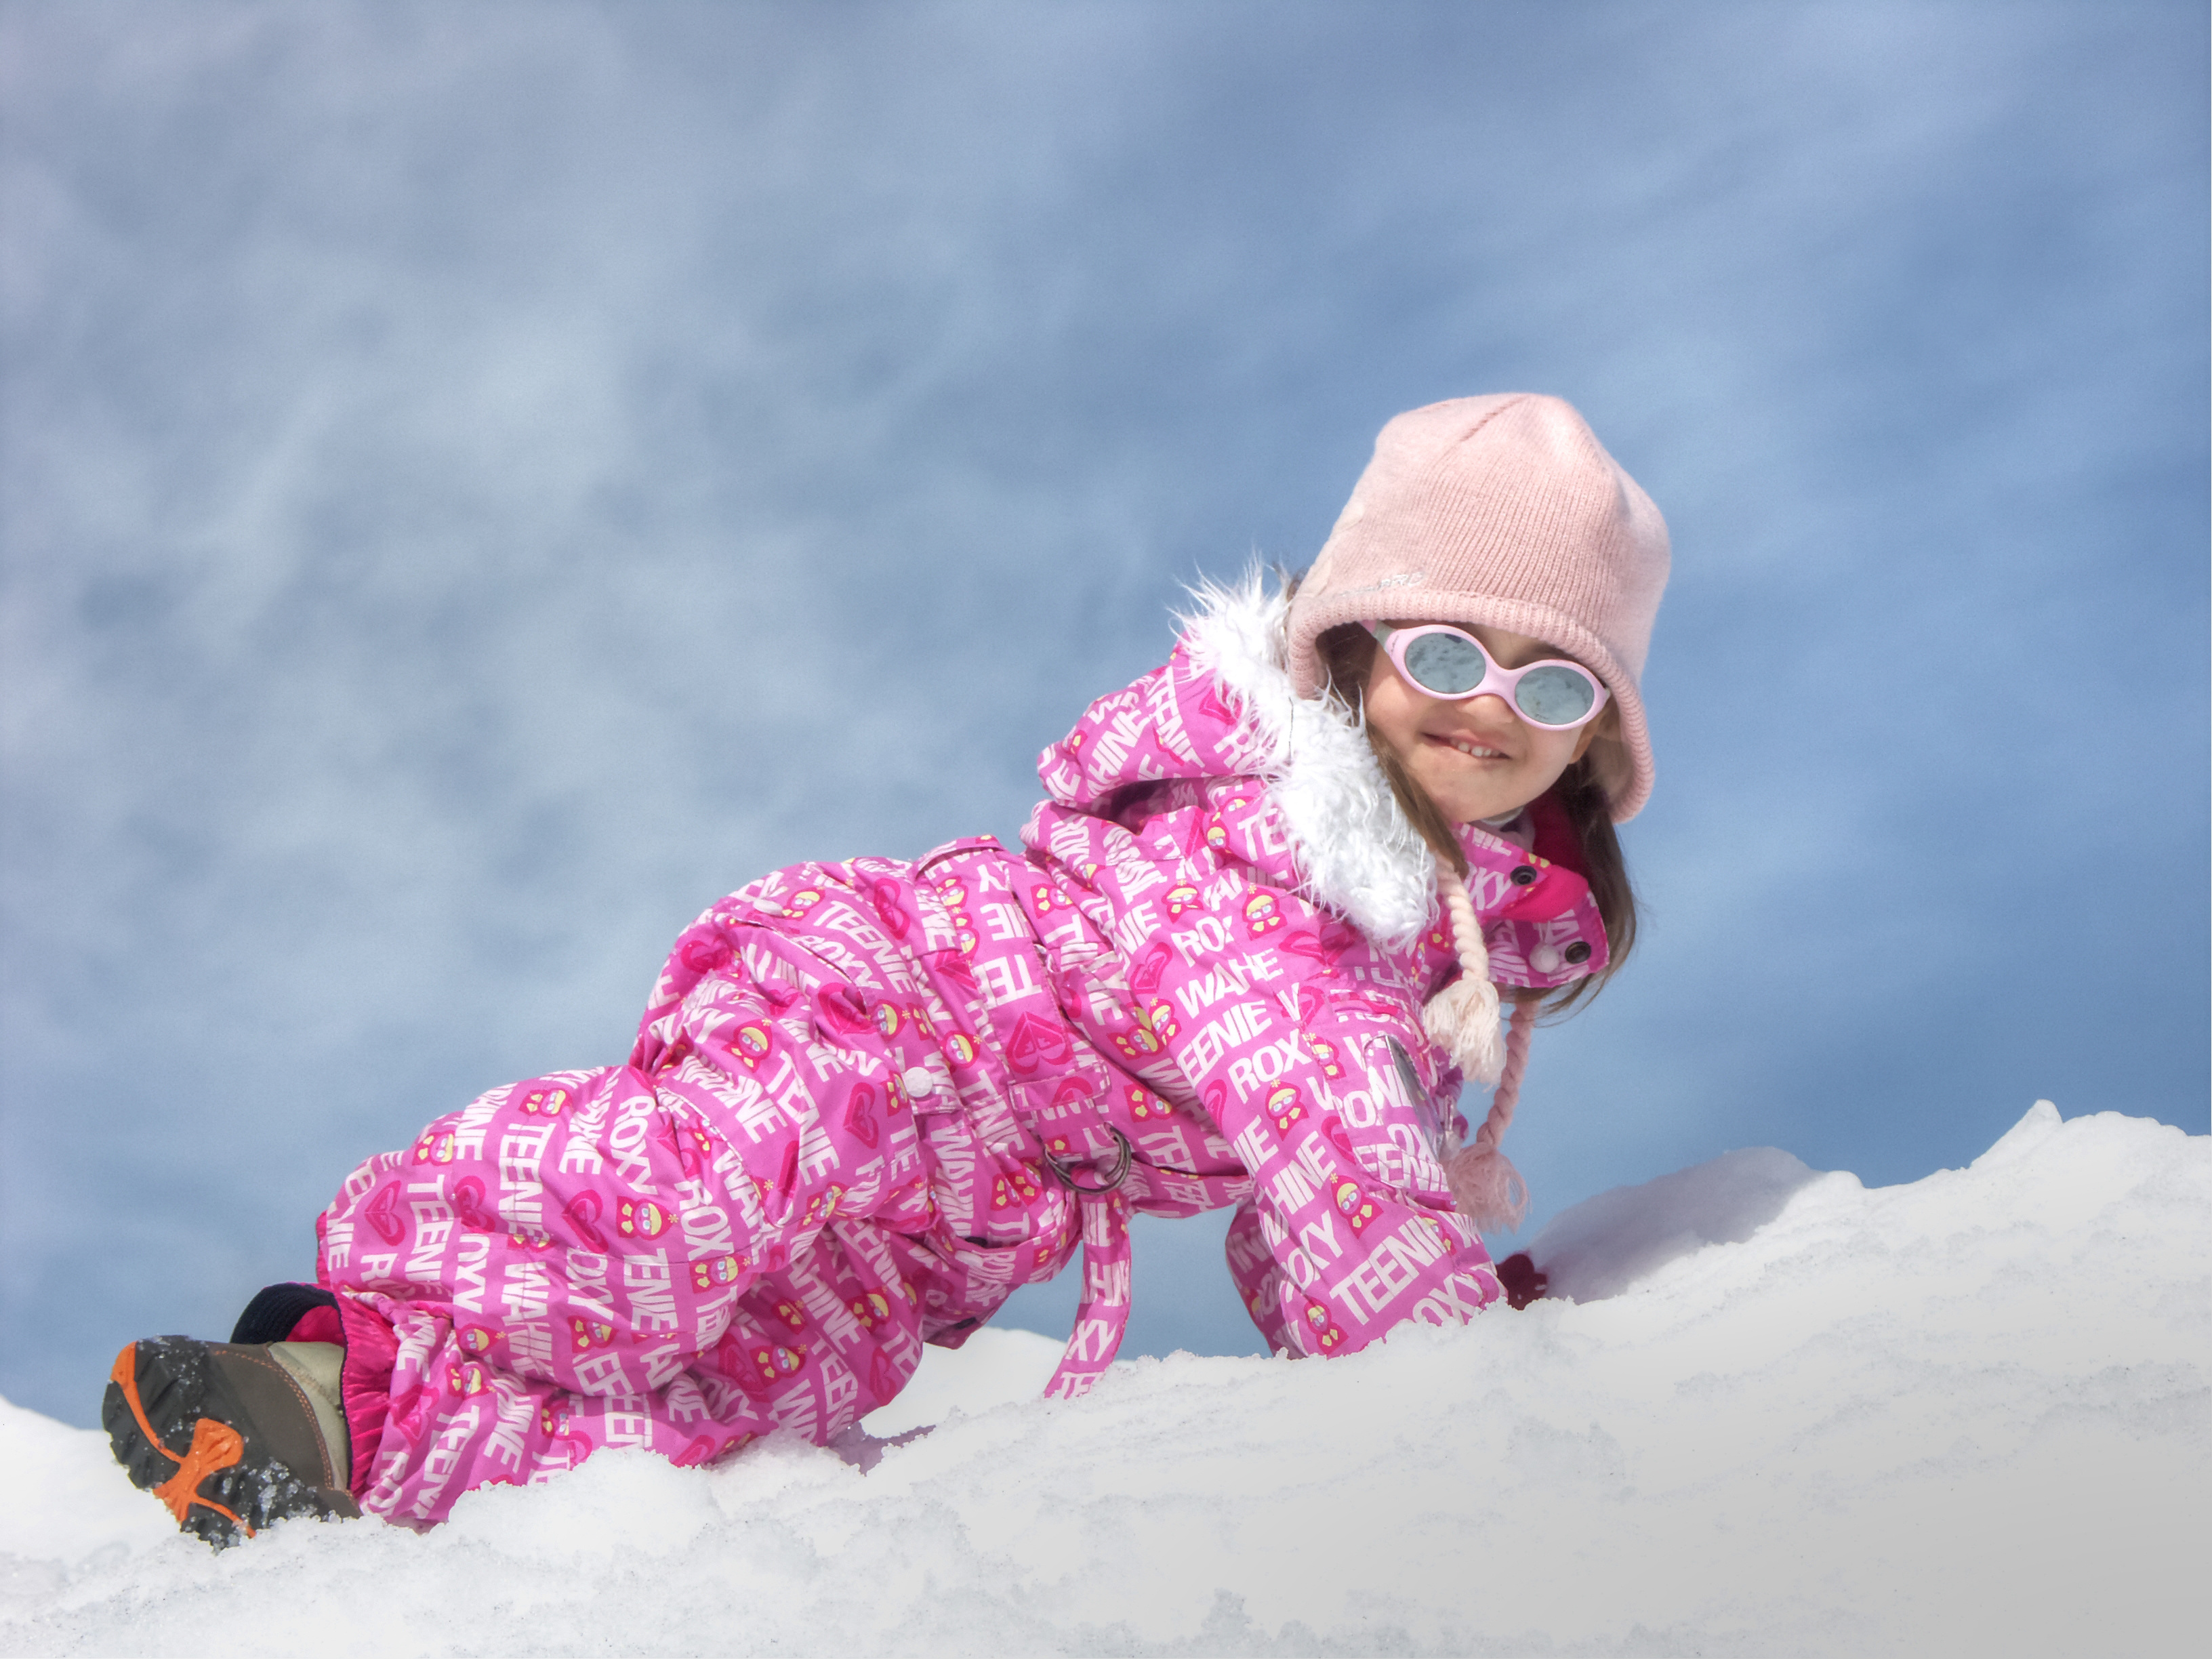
(1105, 1313)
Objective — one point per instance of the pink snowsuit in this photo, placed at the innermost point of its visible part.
(869, 1099)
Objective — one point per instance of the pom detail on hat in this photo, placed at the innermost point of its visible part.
(1462, 1018)
(1488, 1190)
(1485, 1186)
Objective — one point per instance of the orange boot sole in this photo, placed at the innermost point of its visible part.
(184, 1429)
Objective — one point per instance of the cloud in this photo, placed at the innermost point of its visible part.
(479, 484)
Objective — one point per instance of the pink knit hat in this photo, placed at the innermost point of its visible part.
(1505, 511)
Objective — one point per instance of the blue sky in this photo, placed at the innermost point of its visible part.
(478, 482)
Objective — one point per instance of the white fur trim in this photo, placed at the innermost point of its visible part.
(1354, 850)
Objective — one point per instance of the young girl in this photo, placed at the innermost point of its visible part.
(1256, 938)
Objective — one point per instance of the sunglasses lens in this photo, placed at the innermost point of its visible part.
(1555, 695)
(1450, 665)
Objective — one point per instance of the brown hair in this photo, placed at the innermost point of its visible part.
(1347, 655)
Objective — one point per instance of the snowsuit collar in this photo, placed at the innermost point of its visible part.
(1353, 848)
(1350, 848)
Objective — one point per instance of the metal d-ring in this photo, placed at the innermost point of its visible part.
(1065, 1173)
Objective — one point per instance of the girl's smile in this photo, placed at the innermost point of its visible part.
(1476, 757)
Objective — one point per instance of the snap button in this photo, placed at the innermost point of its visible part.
(1578, 951)
(1522, 874)
(920, 1086)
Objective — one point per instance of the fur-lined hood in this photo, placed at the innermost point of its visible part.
(1351, 847)
(1355, 850)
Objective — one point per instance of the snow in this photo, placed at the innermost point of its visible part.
(1785, 1413)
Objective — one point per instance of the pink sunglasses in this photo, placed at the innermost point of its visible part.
(1449, 663)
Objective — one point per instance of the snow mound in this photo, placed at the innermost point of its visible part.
(1783, 1414)
(1606, 1243)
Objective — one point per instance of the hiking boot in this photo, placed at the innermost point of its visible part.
(231, 1435)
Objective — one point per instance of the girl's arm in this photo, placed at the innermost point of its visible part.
(1323, 1089)
(1304, 1044)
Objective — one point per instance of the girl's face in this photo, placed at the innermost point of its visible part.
(1477, 758)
